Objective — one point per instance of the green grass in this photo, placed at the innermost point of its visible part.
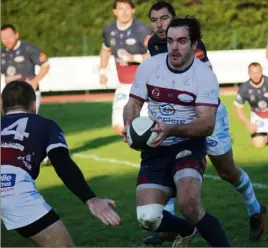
(88, 130)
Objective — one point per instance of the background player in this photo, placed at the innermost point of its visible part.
(255, 92)
(18, 60)
(219, 144)
(126, 39)
(26, 138)
(182, 82)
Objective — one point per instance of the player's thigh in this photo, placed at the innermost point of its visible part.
(188, 175)
(55, 235)
(120, 100)
(154, 182)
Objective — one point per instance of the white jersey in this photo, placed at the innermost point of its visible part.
(173, 95)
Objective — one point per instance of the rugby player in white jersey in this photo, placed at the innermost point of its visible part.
(218, 144)
(182, 95)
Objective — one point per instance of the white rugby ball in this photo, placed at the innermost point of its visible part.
(139, 134)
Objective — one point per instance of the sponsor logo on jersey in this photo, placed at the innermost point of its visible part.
(8, 180)
(11, 71)
(211, 143)
(131, 41)
(167, 109)
(199, 53)
(185, 98)
(19, 59)
(156, 92)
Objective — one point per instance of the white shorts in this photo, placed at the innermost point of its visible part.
(21, 203)
(38, 100)
(261, 123)
(220, 141)
(120, 100)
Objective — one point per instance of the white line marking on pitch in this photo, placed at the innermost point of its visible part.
(117, 161)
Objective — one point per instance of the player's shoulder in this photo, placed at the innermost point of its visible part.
(140, 26)
(110, 27)
(202, 72)
(153, 62)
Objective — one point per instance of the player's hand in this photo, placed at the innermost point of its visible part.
(163, 130)
(125, 132)
(34, 83)
(125, 56)
(13, 78)
(103, 79)
(252, 127)
(103, 210)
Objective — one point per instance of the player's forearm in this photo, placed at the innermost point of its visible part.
(104, 58)
(43, 71)
(131, 111)
(241, 115)
(70, 174)
(197, 128)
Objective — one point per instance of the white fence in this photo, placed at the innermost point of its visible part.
(82, 73)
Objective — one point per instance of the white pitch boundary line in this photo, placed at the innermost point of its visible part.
(117, 161)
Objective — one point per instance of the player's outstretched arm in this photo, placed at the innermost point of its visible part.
(74, 180)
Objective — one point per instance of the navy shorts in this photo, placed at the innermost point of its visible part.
(159, 165)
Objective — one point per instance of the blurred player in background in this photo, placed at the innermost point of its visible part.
(26, 138)
(18, 60)
(126, 39)
(219, 144)
(255, 92)
(267, 50)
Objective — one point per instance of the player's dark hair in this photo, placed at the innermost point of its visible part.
(193, 25)
(254, 64)
(130, 2)
(17, 94)
(160, 5)
(7, 26)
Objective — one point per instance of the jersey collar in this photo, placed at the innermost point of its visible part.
(16, 112)
(16, 46)
(257, 85)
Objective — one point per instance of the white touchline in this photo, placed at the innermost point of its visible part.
(117, 161)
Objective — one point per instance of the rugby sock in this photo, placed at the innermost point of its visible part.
(245, 189)
(210, 229)
(170, 206)
(172, 223)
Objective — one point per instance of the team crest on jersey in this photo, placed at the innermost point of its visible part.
(19, 59)
(199, 53)
(166, 109)
(252, 98)
(112, 42)
(113, 33)
(131, 41)
(266, 94)
(11, 71)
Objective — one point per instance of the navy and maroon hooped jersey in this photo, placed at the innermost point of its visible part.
(26, 139)
(132, 40)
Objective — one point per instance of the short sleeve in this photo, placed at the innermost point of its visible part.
(56, 137)
(105, 36)
(208, 90)
(241, 96)
(36, 55)
(139, 87)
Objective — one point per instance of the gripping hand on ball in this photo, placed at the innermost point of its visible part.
(103, 210)
(163, 131)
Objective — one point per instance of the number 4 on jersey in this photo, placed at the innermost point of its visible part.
(17, 129)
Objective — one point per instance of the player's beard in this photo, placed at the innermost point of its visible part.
(179, 61)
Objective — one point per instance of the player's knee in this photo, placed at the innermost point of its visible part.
(191, 209)
(118, 129)
(259, 142)
(150, 216)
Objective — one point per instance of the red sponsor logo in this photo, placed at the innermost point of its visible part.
(199, 53)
